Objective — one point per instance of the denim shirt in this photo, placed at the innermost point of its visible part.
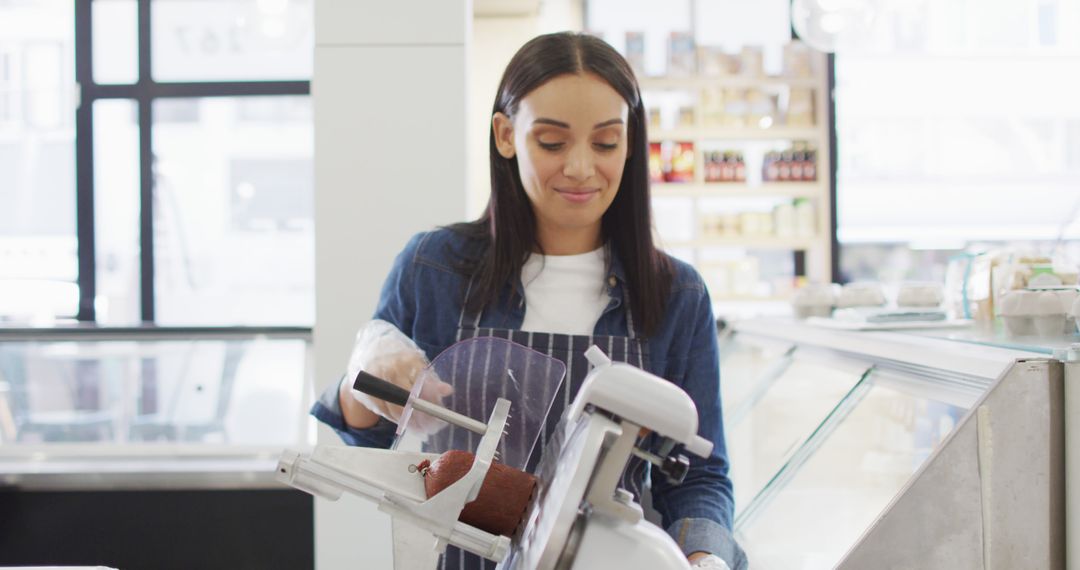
(423, 296)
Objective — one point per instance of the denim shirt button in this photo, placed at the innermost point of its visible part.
(611, 280)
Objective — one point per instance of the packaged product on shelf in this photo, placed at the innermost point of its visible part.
(654, 118)
(770, 167)
(752, 61)
(751, 224)
(686, 117)
(810, 165)
(796, 164)
(798, 161)
(727, 167)
(805, 218)
(712, 106)
(800, 109)
(714, 62)
(709, 224)
(735, 108)
(656, 163)
(760, 108)
(635, 52)
(798, 61)
(784, 219)
(681, 161)
(681, 54)
(711, 166)
(784, 170)
(730, 224)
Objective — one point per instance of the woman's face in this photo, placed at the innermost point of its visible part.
(570, 139)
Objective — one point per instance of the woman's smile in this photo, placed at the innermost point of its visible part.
(578, 195)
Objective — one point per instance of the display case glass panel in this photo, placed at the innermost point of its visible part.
(745, 361)
(819, 505)
(784, 412)
(247, 392)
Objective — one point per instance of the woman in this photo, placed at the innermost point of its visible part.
(563, 258)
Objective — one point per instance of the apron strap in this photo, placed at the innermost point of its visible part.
(465, 320)
(631, 331)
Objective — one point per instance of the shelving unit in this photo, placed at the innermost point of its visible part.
(740, 190)
(736, 133)
(752, 242)
(812, 255)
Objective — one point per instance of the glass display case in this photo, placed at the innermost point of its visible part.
(152, 408)
(829, 431)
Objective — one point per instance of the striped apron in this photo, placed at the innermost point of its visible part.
(570, 350)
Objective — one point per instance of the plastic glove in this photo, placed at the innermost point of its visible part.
(382, 350)
(710, 561)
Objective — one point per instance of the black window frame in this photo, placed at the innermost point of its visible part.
(144, 92)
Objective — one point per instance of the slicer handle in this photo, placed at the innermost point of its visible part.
(378, 388)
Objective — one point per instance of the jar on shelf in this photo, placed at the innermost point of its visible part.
(805, 218)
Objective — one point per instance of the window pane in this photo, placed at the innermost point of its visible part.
(968, 112)
(116, 41)
(233, 211)
(232, 40)
(116, 211)
(38, 260)
(810, 519)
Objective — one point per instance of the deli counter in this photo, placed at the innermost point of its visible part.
(153, 447)
(894, 449)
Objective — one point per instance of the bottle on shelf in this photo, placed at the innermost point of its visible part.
(785, 166)
(810, 167)
(796, 164)
(740, 168)
(727, 167)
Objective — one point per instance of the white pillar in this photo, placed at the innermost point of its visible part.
(389, 97)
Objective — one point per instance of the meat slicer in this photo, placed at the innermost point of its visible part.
(578, 518)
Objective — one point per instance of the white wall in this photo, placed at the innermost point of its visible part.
(389, 94)
(494, 42)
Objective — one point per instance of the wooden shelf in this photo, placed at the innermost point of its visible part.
(763, 242)
(733, 81)
(698, 134)
(739, 190)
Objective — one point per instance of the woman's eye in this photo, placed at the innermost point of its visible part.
(603, 146)
(550, 146)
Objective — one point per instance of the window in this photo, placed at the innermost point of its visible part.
(38, 261)
(968, 112)
(234, 232)
(192, 138)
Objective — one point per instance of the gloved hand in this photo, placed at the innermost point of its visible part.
(382, 350)
(710, 561)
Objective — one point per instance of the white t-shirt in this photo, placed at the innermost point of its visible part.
(564, 293)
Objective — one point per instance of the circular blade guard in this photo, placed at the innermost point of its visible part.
(479, 371)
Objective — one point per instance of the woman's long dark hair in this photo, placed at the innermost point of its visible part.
(507, 229)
